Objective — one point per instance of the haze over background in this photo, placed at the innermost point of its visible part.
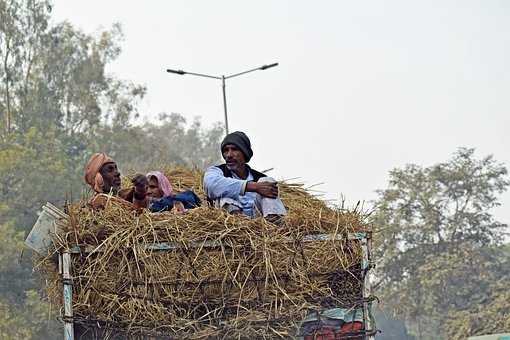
(362, 87)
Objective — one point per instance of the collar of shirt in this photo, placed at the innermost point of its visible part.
(249, 178)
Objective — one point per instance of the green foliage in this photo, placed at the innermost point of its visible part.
(23, 315)
(12, 276)
(23, 25)
(30, 321)
(391, 328)
(436, 233)
(486, 319)
(168, 142)
(488, 313)
(34, 170)
(12, 324)
(58, 105)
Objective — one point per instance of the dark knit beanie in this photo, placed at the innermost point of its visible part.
(240, 140)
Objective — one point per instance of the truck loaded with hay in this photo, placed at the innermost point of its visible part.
(119, 274)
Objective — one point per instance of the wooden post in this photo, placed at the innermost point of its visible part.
(68, 296)
(366, 246)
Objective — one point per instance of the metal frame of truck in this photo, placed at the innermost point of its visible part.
(65, 268)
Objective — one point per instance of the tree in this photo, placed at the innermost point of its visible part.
(486, 314)
(22, 27)
(57, 106)
(169, 141)
(391, 329)
(25, 316)
(34, 169)
(434, 223)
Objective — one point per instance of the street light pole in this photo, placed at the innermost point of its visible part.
(223, 85)
(224, 103)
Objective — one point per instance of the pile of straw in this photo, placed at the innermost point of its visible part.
(229, 276)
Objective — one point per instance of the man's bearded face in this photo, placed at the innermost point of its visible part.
(234, 157)
(111, 177)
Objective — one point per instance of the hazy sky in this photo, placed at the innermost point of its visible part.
(362, 86)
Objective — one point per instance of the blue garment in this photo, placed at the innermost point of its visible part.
(216, 186)
(188, 198)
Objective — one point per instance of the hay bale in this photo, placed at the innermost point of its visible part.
(230, 276)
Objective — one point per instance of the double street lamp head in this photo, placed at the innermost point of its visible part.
(181, 72)
(222, 78)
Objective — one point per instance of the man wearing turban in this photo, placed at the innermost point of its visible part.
(103, 176)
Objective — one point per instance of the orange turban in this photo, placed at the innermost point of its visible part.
(92, 175)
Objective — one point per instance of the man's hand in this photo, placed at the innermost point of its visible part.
(140, 183)
(266, 189)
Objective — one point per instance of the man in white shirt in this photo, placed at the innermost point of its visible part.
(236, 187)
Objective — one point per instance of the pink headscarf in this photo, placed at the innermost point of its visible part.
(163, 182)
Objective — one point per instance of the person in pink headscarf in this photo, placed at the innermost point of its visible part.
(162, 197)
(159, 185)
